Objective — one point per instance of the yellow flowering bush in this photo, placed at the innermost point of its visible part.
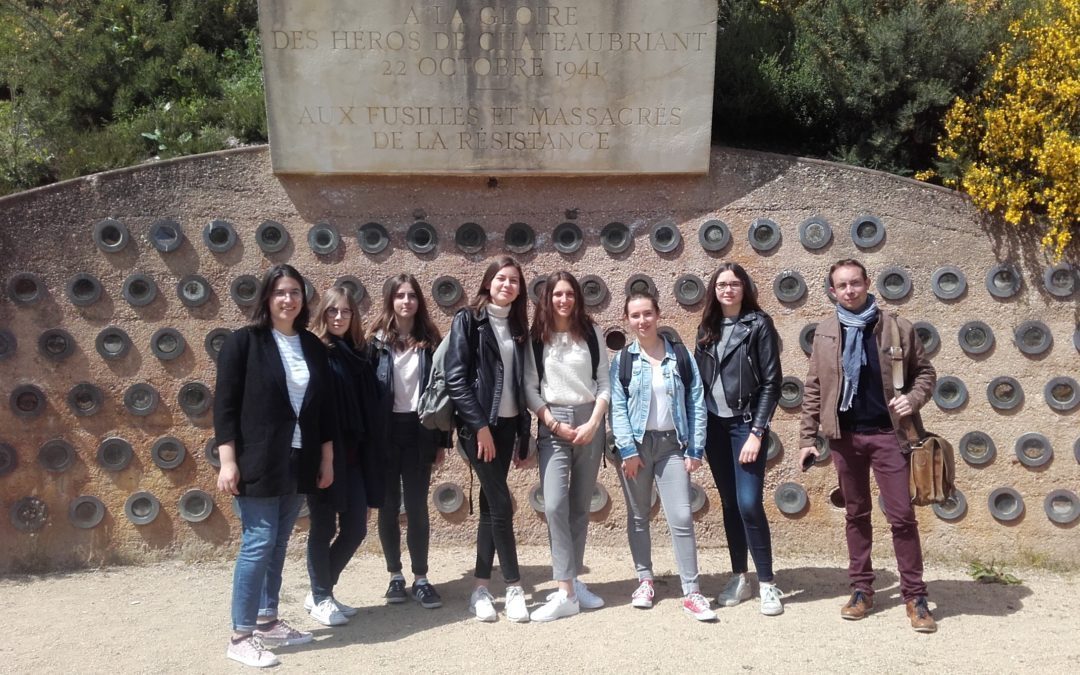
(1015, 145)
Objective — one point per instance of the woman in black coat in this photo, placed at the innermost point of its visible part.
(274, 436)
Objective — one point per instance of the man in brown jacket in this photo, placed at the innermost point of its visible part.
(848, 394)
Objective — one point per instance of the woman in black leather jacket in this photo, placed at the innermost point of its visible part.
(738, 356)
(404, 339)
(485, 370)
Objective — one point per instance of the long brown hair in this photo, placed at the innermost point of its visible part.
(519, 309)
(712, 317)
(424, 331)
(331, 297)
(261, 316)
(544, 320)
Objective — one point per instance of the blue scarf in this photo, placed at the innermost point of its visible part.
(854, 357)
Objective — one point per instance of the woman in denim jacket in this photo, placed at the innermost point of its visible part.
(659, 427)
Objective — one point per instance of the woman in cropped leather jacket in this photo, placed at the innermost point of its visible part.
(738, 356)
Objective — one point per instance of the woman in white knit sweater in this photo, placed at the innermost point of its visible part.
(567, 388)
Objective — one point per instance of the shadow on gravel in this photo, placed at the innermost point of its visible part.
(961, 597)
(808, 584)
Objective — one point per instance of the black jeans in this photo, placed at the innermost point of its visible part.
(326, 560)
(496, 529)
(406, 467)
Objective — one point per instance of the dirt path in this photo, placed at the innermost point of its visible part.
(173, 617)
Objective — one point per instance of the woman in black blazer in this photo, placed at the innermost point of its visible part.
(273, 433)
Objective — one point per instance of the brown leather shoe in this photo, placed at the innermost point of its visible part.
(921, 618)
(857, 606)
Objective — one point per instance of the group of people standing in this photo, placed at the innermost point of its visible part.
(332, 414)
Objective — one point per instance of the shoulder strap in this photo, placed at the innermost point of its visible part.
(538, 356)
(682, 360)
(594, 349)
(626, 367)
(896, 354)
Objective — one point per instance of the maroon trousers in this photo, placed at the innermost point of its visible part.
(854, 455)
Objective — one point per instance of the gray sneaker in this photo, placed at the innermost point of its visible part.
(281, 634)
(737, 590)
(395, 593)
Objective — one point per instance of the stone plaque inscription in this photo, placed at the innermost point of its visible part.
(489, 86)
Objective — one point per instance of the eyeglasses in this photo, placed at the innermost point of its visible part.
(733, 285)
(344, 313)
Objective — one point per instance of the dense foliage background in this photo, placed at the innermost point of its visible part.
(983, 95)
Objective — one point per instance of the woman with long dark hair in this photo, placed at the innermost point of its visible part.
(404, 339)
(342, 508)
(273, 428)
(567, 388)
(485, 372)
(738, 356)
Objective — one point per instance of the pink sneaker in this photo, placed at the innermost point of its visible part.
(281, 634)
(642, 597)
(697, 606)
(250, 652)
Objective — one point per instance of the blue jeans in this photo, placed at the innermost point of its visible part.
(326, 560)
(266, 523)
(741, 488)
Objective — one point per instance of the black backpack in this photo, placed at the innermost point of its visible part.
(594, 352)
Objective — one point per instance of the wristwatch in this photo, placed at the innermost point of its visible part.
(757, 431)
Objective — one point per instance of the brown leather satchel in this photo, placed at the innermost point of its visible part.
(931, 462)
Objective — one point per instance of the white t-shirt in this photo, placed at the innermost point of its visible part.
(497, 317)
(406, 380)
(660, 418)
(297, 375)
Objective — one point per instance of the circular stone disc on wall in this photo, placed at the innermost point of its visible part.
(447, 497)
(9, 459)
(83, 289)
(665, 236)
(194, 398)
(195, 505)
(773, 446)
(806, 337)
(271, 236)
(25, 288)
(1003, 280)
(615, 237)
(323, 238)
(168, 452)
(27, 400)
(950, 393)
(142, 508)
(593, 290)
(536, 288)
(166, 235)
(1004, 393)
(948, 282)
(1005, 504)
(614, 338)
(976, 337)
(167, 344)
(824, 451)
(953, 508)
(111, 236)
(114, 454)
(470, 238)
(1062, 394)
(86, 512)
(1033, 337)
(894, 283)
(112, 343)
(790, 498)
(421, 238)
(214, 340)
(929, 337)
(599, 499)
(791, 392)
(373, 238)
(85, 399)
(640, 283)
(353, 286)
(815, 233)
(567, 238)
(697, 497)
(977, 448)
(29, 514)
(210, 453)
(56, 455)
(714, 235)
(867, 231)
(56, 344)
(1060, 280)
(244, 290)
(446, 291)
(1033, 449)
(763, 235)
(193, 290)
(536, 497)
(139, 289)
(519, 238)
(689, 290)
(219, 236)
(789, 286)
(141, 399)
(1062, 506)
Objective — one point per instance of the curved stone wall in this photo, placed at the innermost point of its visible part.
(115, 285)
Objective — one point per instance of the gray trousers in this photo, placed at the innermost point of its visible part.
(663, 464)
(568, 475)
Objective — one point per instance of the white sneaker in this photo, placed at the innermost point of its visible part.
(697, 606)
(482, 605)
(643, 596)
(346, 610)
(737, 590)
(516, 610)
(586, 598)
(770, 600)
(326, 613)
(557, 607)
(250, 652)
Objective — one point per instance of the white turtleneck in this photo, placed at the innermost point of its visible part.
(498, 318)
